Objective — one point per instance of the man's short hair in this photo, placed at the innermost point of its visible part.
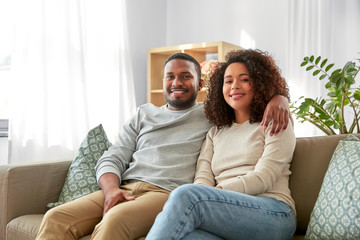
(187, 57)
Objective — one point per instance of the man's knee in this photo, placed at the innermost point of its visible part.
(54, 224)
(112, 219)
(55, 215)
(113, 224)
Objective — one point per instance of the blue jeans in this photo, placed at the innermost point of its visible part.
(201, 212)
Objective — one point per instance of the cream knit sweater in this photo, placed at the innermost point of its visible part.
(244, 158)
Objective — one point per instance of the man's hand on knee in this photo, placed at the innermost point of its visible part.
(109, 183)
(114, 197)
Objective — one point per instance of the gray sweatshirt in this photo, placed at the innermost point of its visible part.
(158, 146)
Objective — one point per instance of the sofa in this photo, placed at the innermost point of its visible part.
(26, 189)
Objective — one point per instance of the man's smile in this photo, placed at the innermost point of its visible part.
(178, 92)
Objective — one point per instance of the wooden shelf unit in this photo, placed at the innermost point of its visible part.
(157, 57)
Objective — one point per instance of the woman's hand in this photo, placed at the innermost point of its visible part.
(278, 112)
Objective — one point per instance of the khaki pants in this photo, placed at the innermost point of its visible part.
(127, 220)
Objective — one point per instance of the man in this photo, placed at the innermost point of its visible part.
(156, 152)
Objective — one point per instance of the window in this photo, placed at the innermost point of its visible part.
(6, 43)
(5, 63)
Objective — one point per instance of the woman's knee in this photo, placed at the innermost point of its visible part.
(187, 192)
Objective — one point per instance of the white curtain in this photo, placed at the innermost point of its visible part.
(71, 71)
(327, 28)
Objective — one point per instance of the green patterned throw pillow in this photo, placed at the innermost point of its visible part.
(336, 214)
(80, 179)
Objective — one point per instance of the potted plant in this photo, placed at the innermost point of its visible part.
(329, 114)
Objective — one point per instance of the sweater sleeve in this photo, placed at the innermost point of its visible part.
(204, 174)
(117, 158)
(274, 162)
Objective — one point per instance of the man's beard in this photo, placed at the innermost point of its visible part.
(177, 103)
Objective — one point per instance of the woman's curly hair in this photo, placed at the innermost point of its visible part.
(265, 80)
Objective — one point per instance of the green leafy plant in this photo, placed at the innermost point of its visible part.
(329, 114)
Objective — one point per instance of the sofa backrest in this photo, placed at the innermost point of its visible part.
(310, 162)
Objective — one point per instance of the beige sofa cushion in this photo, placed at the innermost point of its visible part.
(26, 227)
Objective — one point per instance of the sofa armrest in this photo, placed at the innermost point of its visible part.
(28, 188)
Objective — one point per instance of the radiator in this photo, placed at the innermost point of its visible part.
(4, 141)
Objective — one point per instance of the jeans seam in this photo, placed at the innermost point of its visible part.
(243, 204)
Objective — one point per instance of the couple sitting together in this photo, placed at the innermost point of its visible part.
(187, 170)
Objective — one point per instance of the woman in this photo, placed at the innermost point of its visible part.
(241, 188)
